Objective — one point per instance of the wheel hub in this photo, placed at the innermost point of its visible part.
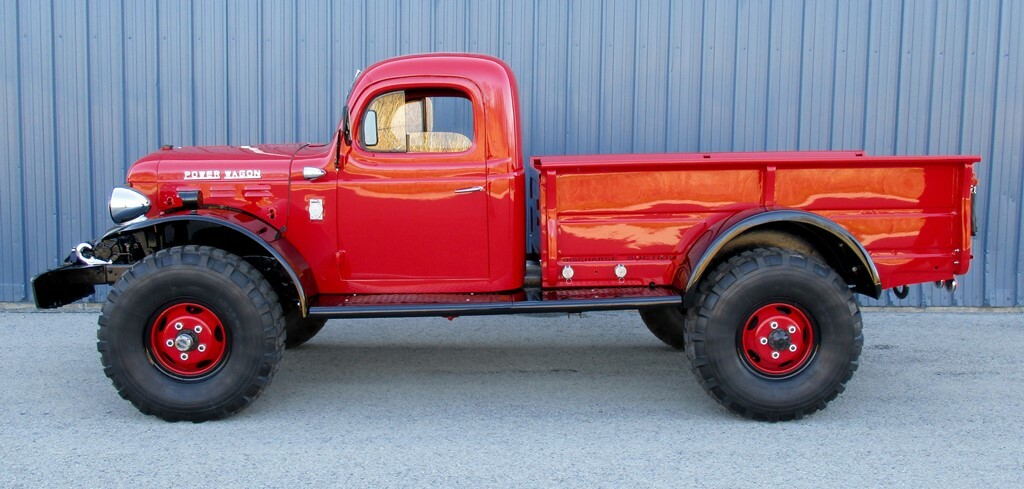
(187, 340)
(777, 339)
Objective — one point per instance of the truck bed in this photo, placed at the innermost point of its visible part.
(911, 213)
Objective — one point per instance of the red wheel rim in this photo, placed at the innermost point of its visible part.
(777, 339)
(187, 340)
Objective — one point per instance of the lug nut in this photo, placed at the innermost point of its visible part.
(775, 355)
(184, 356)
(792, 329)
(201, 348)
(764, 341)
(170, 343)
(792, 348)
(199, 328)
(178, 326)
(775, 325)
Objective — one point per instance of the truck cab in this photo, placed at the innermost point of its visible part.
(431, 175)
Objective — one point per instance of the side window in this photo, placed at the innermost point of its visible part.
(418, 121)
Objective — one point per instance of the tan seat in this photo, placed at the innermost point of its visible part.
(437, 142)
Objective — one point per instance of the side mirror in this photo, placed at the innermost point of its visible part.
(370, 128)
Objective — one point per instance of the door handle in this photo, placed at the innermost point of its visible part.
(312, 173)
(469, 190)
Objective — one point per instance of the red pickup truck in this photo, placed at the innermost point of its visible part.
(225, 256)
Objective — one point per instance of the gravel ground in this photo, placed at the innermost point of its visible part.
(523, 401)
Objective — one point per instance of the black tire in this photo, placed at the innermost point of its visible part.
(299, 329)
(667, 324)
(738, 303)
(242, 314)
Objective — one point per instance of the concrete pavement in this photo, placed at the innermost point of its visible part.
(523, 401)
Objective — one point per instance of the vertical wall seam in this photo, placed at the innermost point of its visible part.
(533, 75)
(568, 56)
(261, 128)
(227, 76)
(867, 77)
(501, 35)
(800, 84)
(1016, 237)
(990, 298)
(26, 273)
(156, 72)
(332, 95)
(735, 65)
(58, 228)
(768, 75)
(963, 80)
(636, 59)
(90, 151)
(899, 81)
(192, 65)
(700, 86)
(934, 78)
(668, 75)
(466, 47)
(296, 106)
(600, 69)
(124, 94)
(835, 79)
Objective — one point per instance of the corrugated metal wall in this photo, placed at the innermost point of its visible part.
(87, 87)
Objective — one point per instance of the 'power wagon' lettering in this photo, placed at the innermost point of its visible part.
(225, 175)
(202, 175)
(241, 174)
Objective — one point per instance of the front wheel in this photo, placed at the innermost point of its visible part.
(191, 333)
(775, 334)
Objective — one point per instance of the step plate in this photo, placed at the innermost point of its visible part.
(519, 302)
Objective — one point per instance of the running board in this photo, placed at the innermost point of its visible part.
(519, 302)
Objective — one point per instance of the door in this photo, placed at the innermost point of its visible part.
(413, 194)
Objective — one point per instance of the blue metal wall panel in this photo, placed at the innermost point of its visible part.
(784, 75)
(582, 116)
(106, 113)
(210, 87)
(13, 274)
(649, 108)
(87, 87)
(750, 97)
(685, 52)
(1009, 147)
(42, 238)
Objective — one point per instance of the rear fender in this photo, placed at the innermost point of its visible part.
(841, 249)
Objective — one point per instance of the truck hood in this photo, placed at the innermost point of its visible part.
(220, 153)
(212, 163)
(252, 179)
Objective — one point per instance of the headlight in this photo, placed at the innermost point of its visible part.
(127, 204)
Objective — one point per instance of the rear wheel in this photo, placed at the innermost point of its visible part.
(191, 333)
(667, 324)
(775, 335)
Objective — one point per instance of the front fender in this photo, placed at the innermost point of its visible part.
(262, 234)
